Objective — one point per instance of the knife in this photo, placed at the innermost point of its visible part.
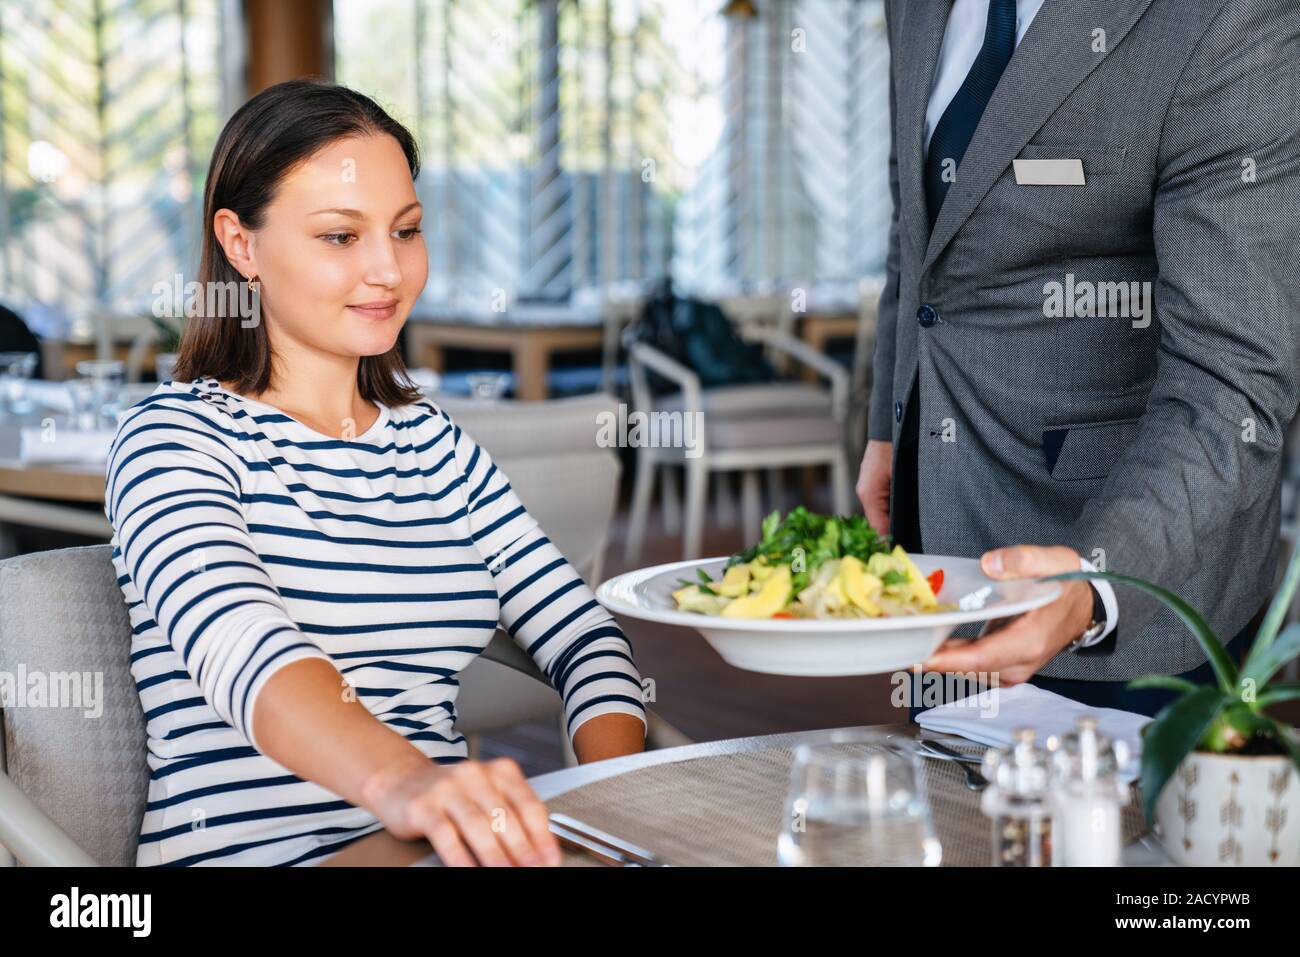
(599, 851)
(565, 827)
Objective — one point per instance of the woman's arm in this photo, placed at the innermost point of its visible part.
(306, 722)
(609, 736)
(550, 612)
(173, 499)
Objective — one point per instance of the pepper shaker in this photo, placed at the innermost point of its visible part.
(1017, 801)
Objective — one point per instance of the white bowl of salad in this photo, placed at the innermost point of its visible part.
(822, 595)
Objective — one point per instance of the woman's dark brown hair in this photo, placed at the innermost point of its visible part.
(270, 135)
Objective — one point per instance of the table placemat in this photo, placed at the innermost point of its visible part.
(728, 810)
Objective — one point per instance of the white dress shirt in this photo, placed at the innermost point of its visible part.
(962, 40)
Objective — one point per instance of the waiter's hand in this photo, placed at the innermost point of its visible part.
(1016, 648)
(873, 483)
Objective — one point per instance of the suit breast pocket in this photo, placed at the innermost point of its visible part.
(1096, 160)
(1097, 209)
(1087, 450)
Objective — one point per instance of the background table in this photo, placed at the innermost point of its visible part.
(51, 481)
(718, 803)
(51, 495)
(530, 343)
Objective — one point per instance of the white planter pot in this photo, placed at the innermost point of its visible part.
(1221, 810)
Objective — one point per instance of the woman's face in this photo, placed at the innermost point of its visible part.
(340, 256)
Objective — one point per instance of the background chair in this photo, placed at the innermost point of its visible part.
(743, 428)
(74, 788)
(864, 347)
(620, 308)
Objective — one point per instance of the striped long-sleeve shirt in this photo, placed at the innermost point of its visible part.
(244, 541)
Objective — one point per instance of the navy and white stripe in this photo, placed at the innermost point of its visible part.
(243, 541)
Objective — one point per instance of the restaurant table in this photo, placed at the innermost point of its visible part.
(50, 495)
(817, 329)
(723, 803)
(52, 481)
(59, 358)
(531, 342)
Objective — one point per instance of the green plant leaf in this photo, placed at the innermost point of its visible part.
(1225, 669)
(1286, 736)
(1277, 610)
(1236, 724)
(1260, 668)
(1170, 682)
(1278, 692)
(1171, 736)
(169, 336)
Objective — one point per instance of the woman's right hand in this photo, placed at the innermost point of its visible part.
(472, 812)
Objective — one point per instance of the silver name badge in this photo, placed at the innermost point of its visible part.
(1054, 172)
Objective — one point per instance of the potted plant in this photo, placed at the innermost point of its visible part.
(1220, 778)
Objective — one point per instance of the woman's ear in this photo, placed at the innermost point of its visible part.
(236, 241)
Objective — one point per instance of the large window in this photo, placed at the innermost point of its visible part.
(574, 143)
(568, 144)
(108, 113)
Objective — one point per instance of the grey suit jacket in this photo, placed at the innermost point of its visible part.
(1153, 445)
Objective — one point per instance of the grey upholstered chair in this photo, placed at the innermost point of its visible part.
(74, 786)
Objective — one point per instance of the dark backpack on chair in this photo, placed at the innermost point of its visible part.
(699, 336)
(16, 337)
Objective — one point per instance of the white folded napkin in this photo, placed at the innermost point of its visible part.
(68, 445)
(991, 716)
(48, 395)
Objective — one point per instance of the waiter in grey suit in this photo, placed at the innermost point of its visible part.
(1087, 348)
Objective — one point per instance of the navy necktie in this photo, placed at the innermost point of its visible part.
(957, 125)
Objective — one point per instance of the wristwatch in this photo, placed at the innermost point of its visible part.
(1096, 627)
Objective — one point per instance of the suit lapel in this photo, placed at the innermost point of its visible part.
(921, 38)
(1055, 56)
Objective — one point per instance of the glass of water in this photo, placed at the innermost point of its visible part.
(855, 801)
(487, 386)
(16, 368)
(83, 405)
(107, 377)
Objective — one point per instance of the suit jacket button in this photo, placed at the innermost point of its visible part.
(927, 316)
(898, 412)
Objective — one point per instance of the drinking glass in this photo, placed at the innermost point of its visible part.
(487, 386)
(16, 368)
(107, 377)
(83, 404)
(856, 801)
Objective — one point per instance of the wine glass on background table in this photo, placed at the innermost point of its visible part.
(107, 378)
(16, 369)
(488, 386)
(856, 801)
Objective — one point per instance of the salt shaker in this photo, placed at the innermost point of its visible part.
(1087, 797)
(1018, 802)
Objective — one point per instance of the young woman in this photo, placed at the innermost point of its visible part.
(311, 552)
